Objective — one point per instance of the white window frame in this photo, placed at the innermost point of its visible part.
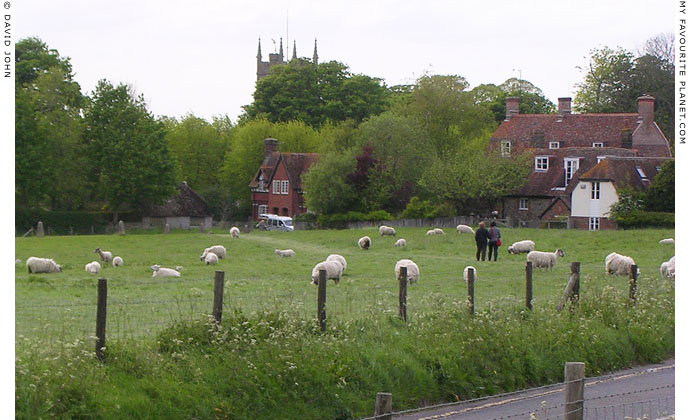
(276, 187)
(263, 209)
(600, 158)
(541, 163)
(573, 167)
(641, 173)
(523, 203)
(505, 148)
(284, 187)
(554, 145)
(597, 144)
(594, 223)
(596, 190)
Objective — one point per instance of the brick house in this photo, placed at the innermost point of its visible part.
(277, 185)
(565, 146)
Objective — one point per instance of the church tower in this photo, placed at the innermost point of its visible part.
(275, 59)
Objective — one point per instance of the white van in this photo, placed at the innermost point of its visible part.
(275, 222)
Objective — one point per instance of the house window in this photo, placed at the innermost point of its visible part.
(593, 223)
(524, 204)
(263, 209)
(571, 166)
(641, 173)
(541, 164)
(505, 148)
(284, 185)
(597, 144)
(600, 158)
(276, 187)
(554, 145)
(596, 190)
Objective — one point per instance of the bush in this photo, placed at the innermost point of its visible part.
(64, 222)
(340, 220)
(643, 219)
(417, 209)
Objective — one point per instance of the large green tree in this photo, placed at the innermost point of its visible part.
(327, 189)
(492, 97)
(661, 195)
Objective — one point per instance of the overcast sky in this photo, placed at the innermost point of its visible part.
(200, 57)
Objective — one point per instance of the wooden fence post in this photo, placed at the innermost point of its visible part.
(470, 289)
(528, 285)
(321, 300)
(402, 294)
(572, 289)
(633, 282)
(101, 312)
(384, 405)
(574, 390)
(218, 283)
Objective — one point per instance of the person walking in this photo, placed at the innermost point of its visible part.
(481, 236)
(494, 240)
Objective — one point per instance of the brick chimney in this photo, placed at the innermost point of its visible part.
(512, 106)
(564, 106)
(645, 109)
(270, 146)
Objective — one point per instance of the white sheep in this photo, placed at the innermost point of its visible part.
(521, 246)
(159, 271)
(211, 258)
(105, 256)
(465, 273)
(285, 253)
(386, 230)
(364, 242)
(464, 229)
(667, 241)
(17, 261)
(618, 264)
(334, 270)
(219, 250)
(93, 267)
(412, 270)
(339, 258)
(42, 265)
(234, 232)
(541, 259)
(668, 268)
(400, 242)
(436, 231)
(117, 262)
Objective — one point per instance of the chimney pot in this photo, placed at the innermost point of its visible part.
(564, 106)
(270, 146)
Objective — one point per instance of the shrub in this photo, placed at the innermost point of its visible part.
(641, 219)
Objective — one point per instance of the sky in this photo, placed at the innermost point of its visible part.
(201, 58)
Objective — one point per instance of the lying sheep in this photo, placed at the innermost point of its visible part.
(234, 232)
(400, 242)
(466, 273)
(285, 253)
(412, 270)
(334, 270)
(339, 258)
(93, 267)
(386, 230)
(104, 255)
(436, 231)
(211, 258)
(219, 250)
(667, 241)
(541, 259)
(117, 262)
(364, 242)
(159, 271)
(17, 261)
(42, 265)
(618, 264)
(521, 246)
(668, 268)
(464, 229)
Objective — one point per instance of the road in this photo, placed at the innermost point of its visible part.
(633, 393)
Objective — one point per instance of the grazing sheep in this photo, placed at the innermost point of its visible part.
(412, 270)
(17, 261)
(117, 262)
(339, 258)
(219, 250)
(400, 242)
(436, 231)
(105, 256)
(541, 259)
(334, 270)
(159, 271)
(667, 241)
(285, 253)
(42, 265)
(618, 264)
(234, 232)
(465, 273)
(93, 267)
(464, 229)
(521, 246)
(386, 230)
(364, 242)
(211, 258)
(668, 268)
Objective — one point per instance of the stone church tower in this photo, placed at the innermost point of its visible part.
(263, 67)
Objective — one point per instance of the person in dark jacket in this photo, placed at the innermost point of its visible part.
(481, 236)
(494, 236)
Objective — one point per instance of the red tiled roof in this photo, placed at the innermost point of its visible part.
(623, 171)
(296, 164)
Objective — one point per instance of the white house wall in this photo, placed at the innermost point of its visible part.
(582, 204)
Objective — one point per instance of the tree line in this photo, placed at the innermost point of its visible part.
(418, 148)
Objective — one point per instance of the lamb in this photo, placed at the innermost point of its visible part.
(618, 264)
(668, 268)
(339, 258)
(105, 256)
(234, 232)
(667, 241)
(412, 270)
(400, 242)
(464, 229)
(364, 242)
(541, 259)
(117, 262)
(93, 267)
(334, 270)
(159, 271)
(521, 246)
(386, 230)
(465, 273)
(219, 250)
(285, 253)
(42, 265)
(211, 258)
(436, 231)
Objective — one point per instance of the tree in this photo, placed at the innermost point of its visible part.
(532, 99)
(128, 148)
(661, 195)
(326, 190)
(607, 82)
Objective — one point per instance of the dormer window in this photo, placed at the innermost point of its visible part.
(541, 163)
(641, 173)
(554, 145)
(505, 148)
(571, 166)
(597, 144)
(600, 158)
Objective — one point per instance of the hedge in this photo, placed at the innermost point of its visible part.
(642, 219)
(64, 222)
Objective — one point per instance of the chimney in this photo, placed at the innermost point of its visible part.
(645, 109)
(512, 106)
(564, 106)
(270, 146)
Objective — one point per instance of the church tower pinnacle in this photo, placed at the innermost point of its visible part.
(316, 55)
